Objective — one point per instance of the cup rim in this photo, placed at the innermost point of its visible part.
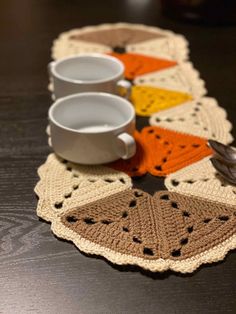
(53, 65)
(80, 95)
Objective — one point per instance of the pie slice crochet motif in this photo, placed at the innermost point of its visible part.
(118, 37)
(202, 117)
(148, 100)
(168, 47)
(137, 64)
(181, 78)
(64, 185)
(161, 152)
(201, 179)
(157, 233)
(65, 47)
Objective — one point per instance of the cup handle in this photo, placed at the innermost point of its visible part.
(49, 142)
(50, 86)
(128, 146)
(50, 65)
(124, 88)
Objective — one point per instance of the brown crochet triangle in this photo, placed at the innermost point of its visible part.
(122, 222)
(117, 37)
(139, 227)
(190, 226)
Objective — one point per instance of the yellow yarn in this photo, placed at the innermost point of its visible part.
(148, 100)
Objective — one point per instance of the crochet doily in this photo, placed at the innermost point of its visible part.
(96, 207)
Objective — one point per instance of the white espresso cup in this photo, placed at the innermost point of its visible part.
(92, 128)
(88, 73)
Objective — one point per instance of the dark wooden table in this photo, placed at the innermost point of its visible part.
(39, 273)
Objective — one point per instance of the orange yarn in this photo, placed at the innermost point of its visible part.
(161, 152)
(136, 64)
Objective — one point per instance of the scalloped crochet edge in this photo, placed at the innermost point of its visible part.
(199, 85)
(189, 265)
(180, 42)
(45, 212)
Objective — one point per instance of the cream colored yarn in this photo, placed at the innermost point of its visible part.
(201, 117)
(201, 179)
(64, 47)
(173, 46)
(64, 186)
(181, 78)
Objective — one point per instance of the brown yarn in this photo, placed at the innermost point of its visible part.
(168, 225)
(117, 37)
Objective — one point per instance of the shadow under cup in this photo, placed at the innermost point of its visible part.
(92, 128)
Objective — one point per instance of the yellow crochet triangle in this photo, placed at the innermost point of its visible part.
(148, 100)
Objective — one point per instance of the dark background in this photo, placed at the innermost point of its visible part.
(39, 273)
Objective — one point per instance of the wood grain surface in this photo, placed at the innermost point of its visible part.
(38, 272)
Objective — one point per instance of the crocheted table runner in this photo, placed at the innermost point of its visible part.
(96, 207)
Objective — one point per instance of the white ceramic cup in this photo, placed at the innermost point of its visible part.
(88, 73)
(92, 128)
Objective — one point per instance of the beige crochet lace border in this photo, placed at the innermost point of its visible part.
(215, 254)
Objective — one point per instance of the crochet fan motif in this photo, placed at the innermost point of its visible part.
(161, 152)
(141, 228)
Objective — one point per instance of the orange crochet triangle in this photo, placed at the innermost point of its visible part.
(148, 100)
(161, 152)
(136, 64)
